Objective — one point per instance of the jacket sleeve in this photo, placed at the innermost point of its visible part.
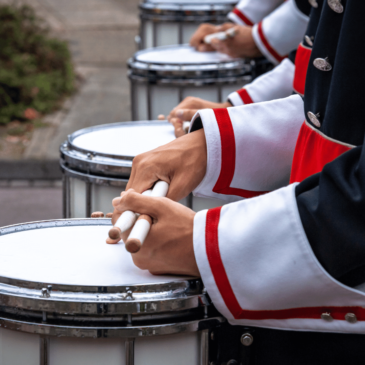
(281, 31)
(282, 260)
(250, 12)
(275, 84)
(252, 145)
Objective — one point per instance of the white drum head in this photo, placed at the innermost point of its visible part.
(180, 55)
(129, 139)
(75, 255)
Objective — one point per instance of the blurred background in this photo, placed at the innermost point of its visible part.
(62, 68)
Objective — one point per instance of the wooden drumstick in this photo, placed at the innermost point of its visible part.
(221, 36)
(161, 117)
(144, 222)
(125, 222)
(186, 126)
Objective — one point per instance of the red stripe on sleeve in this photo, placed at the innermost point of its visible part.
(245, 96)
(228, 163)
(229, 297)
(301, 66)
(242, 16)
(267, 44)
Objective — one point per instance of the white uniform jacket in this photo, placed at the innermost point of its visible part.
(292, 256)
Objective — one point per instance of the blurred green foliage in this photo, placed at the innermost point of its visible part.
(35, 70)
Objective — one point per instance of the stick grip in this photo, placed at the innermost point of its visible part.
(144, 222)
(125, 221)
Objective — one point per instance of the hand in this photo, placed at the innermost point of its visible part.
(197, 40)
(181, 163)
(187, 109)
(242, 45)
(168, 248)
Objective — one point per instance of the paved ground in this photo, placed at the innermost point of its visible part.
(101, 38)
(21, 202)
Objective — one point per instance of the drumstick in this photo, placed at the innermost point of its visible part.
(125, 221)
(144, 222)
(186, 126)
(221, 36)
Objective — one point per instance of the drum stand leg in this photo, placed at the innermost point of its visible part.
(44, 350)
(204, 347)
(65, 196)
(129, 351)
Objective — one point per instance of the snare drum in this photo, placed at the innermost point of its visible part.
(162, 77)
(97, 162)
(68, 298)
(166, 22)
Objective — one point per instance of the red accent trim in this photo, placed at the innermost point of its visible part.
(226, 291)
(312, 152)
(267, 44)
(228, 163)
(301, 67)
(245, 96)
(242, 16)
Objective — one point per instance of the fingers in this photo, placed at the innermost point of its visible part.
(97, 215)
(178, 125)
(185, 114)
(141, 204)
(205, 48)
(161, 117)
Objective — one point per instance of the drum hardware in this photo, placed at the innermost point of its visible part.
(247, 339)
(160, 81)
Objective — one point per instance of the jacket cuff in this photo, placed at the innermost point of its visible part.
(280, 32)
(259, 269)
(275, 84)
(248, 12)
(249, 148)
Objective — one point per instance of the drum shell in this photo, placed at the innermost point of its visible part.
(167, 24)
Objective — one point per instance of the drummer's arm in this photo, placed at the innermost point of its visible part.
(250, 12)
(282, 30)
(275, 84)
(249, 148)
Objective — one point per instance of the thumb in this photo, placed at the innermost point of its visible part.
(141, 204)
(185, 114)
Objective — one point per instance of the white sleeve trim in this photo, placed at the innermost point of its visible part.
(283, 30)
(270, 268)
(264, 136)
(275, 84)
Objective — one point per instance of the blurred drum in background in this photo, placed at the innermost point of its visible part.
(68, 298)
(166, 22)
(97, 163)
(162, 77)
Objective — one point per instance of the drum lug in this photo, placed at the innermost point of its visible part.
(129, 295)
(46, 292)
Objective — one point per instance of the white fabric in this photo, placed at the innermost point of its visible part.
(126, 140)
(180, 55)
(275, 84)
(265, 137)
(283, 29)
(270, 264)
(254, 10)
(71, 255)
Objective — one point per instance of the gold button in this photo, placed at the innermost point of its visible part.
(314, 119)
(351, 318)
(322, 64)
(335, 5)
(313, 3)
(327, 317)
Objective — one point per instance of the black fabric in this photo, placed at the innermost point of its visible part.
(277, 347)
(337, 94)
(303, 6)
(332, 204)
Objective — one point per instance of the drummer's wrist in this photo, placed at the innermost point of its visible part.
(227, 104)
